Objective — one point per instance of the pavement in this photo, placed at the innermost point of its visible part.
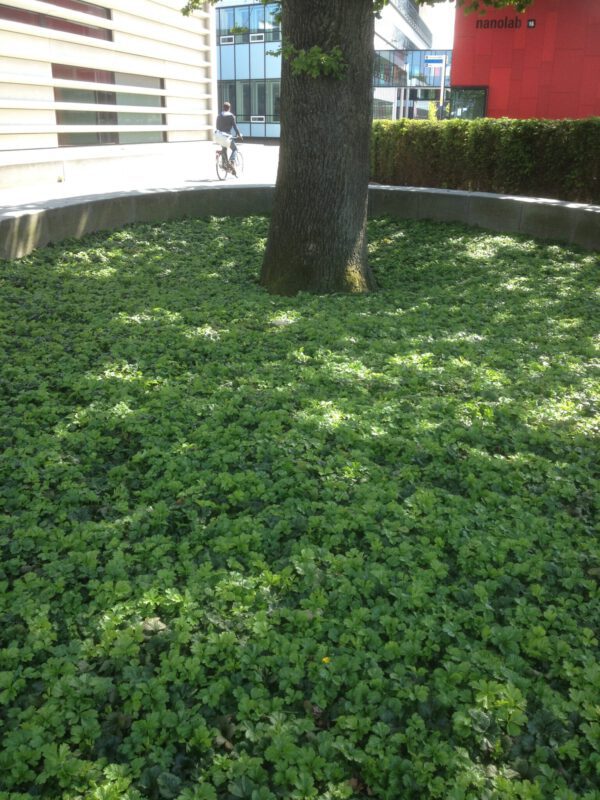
(190, 166)
(64, 179)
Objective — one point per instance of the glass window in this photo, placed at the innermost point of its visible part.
(128, 99)
(62, 95)
(242, 61)
(226, 21)
(226, 93)
(272, 66)
(138, 118)
(468, 103)
(54, 23)
(19, 15)
(257, 60)
(252, 98)
(259, 103)
(273, 93)
(82, 74)
(382, 109)
(390, 68)
(141, 137)
(84, 8)
(106, 117)
(78, 139)
(242, 18)
(243, 107)
(409, 68)
(76, 118)
(227, 59)
(143, 81)
(106, 98)
(272, 24)
(229, 93)
(86, 118)
(257, 19)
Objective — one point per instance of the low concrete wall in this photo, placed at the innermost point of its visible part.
(24, 228)
(574, 223)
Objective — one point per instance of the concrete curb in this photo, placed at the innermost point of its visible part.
(24, 228)
(555, 220)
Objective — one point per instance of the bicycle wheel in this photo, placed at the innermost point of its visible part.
(221, 171)
(238, 163)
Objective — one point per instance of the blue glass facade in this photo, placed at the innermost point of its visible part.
(404, 68)
(248, 66)
(408, 83)
(249, 70)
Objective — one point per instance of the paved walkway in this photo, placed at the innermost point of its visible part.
(33, 215)
(196, 167)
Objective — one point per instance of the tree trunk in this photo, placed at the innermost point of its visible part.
(317, 238)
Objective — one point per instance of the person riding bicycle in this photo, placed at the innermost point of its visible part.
(225, 124)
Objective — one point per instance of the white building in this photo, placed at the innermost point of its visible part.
(400, 26)
(82, 82)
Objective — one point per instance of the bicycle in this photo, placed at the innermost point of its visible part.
(225, 166)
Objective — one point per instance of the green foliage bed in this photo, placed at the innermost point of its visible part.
(326, 548)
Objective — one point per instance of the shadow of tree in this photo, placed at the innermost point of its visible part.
(260, 541)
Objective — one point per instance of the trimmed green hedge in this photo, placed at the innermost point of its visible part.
(535, 157)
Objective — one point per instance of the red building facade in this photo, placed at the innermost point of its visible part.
(543, 63)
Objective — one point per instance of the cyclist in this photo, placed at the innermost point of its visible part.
(225, 124)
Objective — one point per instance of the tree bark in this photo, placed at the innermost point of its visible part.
(317, 238)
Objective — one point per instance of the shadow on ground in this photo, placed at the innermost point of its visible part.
(282, 547)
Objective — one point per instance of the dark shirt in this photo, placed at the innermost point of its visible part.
(226, 121)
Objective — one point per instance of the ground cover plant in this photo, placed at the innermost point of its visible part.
(312, 547)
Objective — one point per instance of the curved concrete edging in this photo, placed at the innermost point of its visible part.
(24, 228)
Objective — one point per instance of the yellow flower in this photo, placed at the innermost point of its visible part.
(326, 660)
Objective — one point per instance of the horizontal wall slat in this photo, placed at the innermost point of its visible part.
(35, 80)
(13, 129)
(101, 44)
(188, 31)
(24, 105)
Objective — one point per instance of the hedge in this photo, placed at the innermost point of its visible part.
(534, 157)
